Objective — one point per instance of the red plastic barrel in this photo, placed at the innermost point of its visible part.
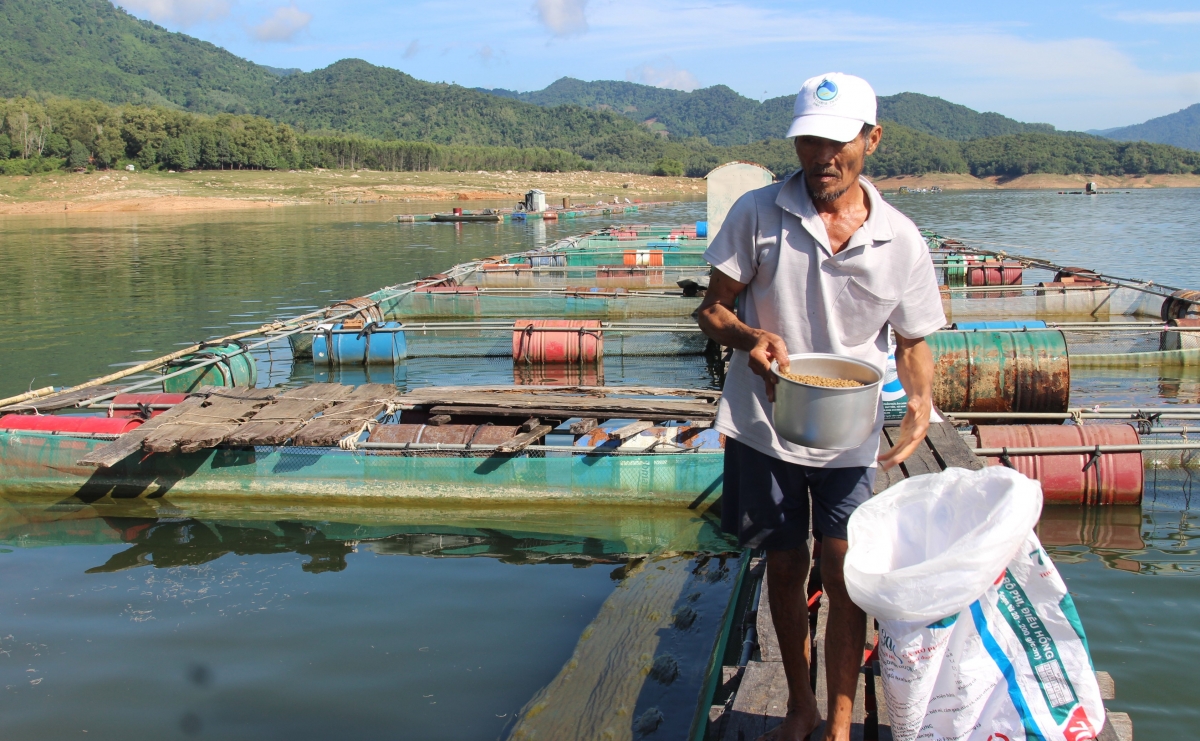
(458, 212)
(50, 423)
(994, 273)
(550, 216)
(158, 404)
(557, 341)
(1115, 479)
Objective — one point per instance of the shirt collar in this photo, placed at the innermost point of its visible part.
(794, 198)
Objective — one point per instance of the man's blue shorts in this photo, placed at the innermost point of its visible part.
(765, 501)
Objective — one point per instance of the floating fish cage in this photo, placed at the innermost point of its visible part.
(570, 334)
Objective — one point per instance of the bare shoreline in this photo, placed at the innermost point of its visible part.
(158, 192)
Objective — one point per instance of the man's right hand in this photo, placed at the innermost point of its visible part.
(719, 321)
(768, 347)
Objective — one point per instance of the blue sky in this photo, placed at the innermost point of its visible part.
(1075, 65)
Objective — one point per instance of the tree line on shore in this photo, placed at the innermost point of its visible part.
(48, 133)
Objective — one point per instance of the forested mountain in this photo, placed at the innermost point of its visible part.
(950, 120)
(85, 84)
(1180, 129)
(724, 117)
(91, 49)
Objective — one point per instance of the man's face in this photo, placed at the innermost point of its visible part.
(832, 167)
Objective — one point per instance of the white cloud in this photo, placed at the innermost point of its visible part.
(413, 48)
(563, 17)
(181, 13)
(283, 24)
(1159, 18)
(663, 73)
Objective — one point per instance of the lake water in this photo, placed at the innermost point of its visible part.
(176, 619)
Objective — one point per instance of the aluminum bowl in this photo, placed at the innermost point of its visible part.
(822, 417)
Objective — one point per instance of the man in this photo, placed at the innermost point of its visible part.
(817, 263)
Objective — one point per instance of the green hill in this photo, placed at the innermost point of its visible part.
(950, 120)
(91, 49)
(83, 82)
(726, 118)
(1180, 129)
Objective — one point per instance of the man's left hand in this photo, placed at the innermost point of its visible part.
(912, 431)
(914, 366)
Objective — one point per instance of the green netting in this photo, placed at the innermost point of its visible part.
(1063, 306)
(611, 256)
(544, 306)
(45, 464)
(498, 344)
(667, 277)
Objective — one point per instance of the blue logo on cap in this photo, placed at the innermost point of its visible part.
(827, 90)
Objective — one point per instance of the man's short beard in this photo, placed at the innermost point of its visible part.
(830, 196)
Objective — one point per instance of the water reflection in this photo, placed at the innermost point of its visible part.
(167, 280)
(1156, 539)
(150, 619)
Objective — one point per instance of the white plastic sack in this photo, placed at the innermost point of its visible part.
(1011, 663)
(931, 545)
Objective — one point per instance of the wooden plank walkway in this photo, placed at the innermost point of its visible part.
(758, 701)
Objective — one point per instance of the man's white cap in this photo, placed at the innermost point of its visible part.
(833, 106)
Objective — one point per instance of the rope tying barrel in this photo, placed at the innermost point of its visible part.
(557, 341)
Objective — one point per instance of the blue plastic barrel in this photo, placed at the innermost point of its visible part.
(371, 345)
(1019, 324)
(701, 229)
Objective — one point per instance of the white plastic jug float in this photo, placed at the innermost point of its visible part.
(979, 638)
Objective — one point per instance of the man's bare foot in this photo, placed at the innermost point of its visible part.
(796, 726)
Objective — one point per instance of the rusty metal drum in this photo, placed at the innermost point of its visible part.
(1115, 478)
(1000, 371)
(1181, 305)
(555, 341)
(994, 273)
(443, 434)
(1189, 339)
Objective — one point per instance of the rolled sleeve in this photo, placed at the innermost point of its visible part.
(732, 251)
(919, 312)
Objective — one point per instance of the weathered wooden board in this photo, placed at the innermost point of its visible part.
(61, 401)
(207, 426)
(595, 693)
(558, 413)
(275, 423)
(1118, 728)
(583, 426)
(524, 440)
(629, 430)
(921, 461)
(760, 703)
(347, 416)
(433, 393)
(126, 445)
(949, 446)
(560, 404)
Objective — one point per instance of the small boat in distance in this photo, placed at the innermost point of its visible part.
(458, 216)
